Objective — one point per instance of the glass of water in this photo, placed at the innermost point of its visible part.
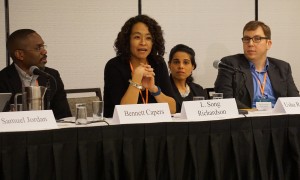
(198, 98)
(217, 96)
(98, 110)
(81, 114)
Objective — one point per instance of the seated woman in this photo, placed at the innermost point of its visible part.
(138, 74)
(181, 64)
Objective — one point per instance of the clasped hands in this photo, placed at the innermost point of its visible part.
(144, 74)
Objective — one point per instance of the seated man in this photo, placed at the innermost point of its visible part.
(27, 48)
(261, 78)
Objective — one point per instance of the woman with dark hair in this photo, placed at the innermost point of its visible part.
(181, 64)
(138, 74)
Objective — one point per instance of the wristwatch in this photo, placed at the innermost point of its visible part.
(134, 84)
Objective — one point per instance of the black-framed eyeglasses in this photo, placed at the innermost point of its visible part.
(255, 39)
(38, 49)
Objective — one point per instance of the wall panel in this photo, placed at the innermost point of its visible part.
(79, 34)
(283, 19)
(2, 37)
(212, 28)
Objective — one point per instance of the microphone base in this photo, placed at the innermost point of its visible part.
(241, 111)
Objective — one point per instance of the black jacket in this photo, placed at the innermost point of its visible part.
(116, 75)
(10, 82)
(195, 90)
(279, 72)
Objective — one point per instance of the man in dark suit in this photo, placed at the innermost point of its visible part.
(261, 78)
(27, 48)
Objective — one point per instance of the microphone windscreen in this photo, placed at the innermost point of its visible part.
(32, 68)
(216, 64)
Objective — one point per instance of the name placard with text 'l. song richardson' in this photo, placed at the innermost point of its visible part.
(288, 105)
(214, 109)
(141, 113)
(27, 121)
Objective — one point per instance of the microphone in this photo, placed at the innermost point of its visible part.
(220, 65)
(34, 70)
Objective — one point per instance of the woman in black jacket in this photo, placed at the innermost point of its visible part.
(181, 64)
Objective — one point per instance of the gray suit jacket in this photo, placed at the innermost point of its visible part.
(242, 89)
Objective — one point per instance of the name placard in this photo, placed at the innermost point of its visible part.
(209, 109)
(141, 113)
(27, 121)
(289, 105)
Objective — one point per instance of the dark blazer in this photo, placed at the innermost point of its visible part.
(195, 90)
(10, 82)
(279, 72)
(116, 75)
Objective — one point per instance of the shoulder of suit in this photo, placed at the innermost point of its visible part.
(276, 61)
(51, 71)
(8, 70)
(195, 85)
(116, 61)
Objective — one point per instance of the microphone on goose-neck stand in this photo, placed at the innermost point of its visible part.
(236, 91)
(220, 65)
(34, 70)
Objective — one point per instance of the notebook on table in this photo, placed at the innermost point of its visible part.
(4, 98)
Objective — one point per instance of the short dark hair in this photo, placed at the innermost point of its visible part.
(253, 25)
(186, 49)
(14, 40)
(122, 43)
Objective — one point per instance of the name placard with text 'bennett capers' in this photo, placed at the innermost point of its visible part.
(214, 109)
(141, 113)
(27, 121)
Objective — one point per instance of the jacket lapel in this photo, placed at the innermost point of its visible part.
(275, 79)
(14, 77)
(245, 67)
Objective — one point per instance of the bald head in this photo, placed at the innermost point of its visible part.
(16, 39)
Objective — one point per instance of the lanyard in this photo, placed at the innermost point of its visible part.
(145, 102)
(263, 85)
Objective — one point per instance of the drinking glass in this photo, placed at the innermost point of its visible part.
(217, 96)
(81, 114)
(198, 98)
(18, 108)
(97, 110)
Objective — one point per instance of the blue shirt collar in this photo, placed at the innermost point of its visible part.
(252, 67)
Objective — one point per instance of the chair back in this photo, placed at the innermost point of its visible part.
(83, 96)
(209, 92)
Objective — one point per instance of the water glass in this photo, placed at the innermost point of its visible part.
(198, 98)
(97, 110)
(79, 105)
(18, 108)
(81, 114)
(217, 96)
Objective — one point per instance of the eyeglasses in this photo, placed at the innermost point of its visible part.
(38, 49)
(255, 39)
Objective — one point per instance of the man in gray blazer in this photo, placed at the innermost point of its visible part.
(257, 77)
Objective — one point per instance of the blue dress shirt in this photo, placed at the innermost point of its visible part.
(268, 92)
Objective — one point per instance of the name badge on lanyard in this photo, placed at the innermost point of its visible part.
(264, 97)
(263, 102)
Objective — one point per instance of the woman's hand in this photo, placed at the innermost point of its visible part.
(148, 80)
(144, 75)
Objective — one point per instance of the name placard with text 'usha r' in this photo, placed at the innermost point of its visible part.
(27, 121)
(209, 109)
(288, 105)
(141, 113)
